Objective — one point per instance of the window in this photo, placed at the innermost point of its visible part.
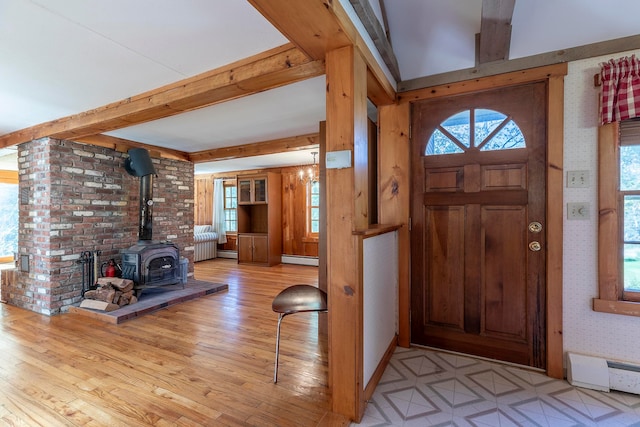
(630, 205)
(230, 206)
(313, 208)
(619, 225)
(475, 129)
(8, 215)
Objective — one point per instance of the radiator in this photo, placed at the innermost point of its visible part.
(205, 250)
(600, 374)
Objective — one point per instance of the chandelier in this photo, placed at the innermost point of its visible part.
(310, 174)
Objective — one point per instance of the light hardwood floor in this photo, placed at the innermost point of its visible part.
(203, 362)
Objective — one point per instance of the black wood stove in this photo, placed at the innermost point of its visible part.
(148, 263)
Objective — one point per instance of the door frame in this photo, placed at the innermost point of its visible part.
(554, 77)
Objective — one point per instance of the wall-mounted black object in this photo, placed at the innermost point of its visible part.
(24, 263)
(139, 163)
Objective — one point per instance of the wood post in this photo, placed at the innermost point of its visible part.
(347, 211)
(394, 183)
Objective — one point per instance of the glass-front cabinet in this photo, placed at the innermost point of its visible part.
(260, 218)
(252, 190)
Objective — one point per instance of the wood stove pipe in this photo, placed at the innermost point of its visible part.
(145, 232)
(139, 164)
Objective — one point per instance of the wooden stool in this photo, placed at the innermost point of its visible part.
(296, 299)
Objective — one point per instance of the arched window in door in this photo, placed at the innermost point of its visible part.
(475, 129)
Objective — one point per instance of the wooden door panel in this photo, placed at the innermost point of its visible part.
(445, 179)
(504, 278)
(445, 241)
(504, 177)
(476, 288)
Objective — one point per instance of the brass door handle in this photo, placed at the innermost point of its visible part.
(535, 246)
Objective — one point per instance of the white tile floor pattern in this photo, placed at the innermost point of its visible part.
(422, 387)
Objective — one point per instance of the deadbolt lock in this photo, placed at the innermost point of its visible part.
(535, 227)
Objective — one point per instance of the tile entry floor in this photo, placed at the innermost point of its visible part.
(422, 387)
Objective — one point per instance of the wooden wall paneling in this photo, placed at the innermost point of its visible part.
(608, 212)
(555, 181)
(231, 245)
(288, 218)
(323, 326)
(310, 248)
(299, 205)
(274, 221)
(294, 213)
(394, 184)
(203, 188)
(346, 116)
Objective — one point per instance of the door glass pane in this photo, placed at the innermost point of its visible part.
(509, 137)
(8, 219)
(260, 188)
(630, 167)
(440, 144)
(458, 126)
(486, 122)
(244, 188)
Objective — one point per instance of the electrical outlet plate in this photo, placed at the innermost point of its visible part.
(577, 179)
(577, 210)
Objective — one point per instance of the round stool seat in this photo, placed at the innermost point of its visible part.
(300, 298)
(296, 299)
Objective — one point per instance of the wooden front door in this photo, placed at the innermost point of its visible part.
(478, 224)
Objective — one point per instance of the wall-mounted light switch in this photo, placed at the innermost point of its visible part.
(577, 210)
(577, 179)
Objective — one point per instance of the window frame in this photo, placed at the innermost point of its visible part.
(309, 208)
(8, 177)
(230, 184)
(612, 297)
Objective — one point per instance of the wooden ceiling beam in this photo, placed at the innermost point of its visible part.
(271, 69)
(319, 26)
(378, 35)
(608, 47)
(495, 30)
(123, 145)
(310, 25)
(274, 146)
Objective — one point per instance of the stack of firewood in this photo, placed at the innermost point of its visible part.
(111, 294)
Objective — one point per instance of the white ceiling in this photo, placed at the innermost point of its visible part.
(62, 57)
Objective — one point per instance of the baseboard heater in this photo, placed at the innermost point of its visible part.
(600, 374)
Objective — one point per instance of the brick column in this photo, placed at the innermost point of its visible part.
(76, 197)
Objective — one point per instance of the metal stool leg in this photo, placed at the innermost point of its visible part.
(275, 373)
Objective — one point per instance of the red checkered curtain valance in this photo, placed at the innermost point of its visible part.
(620, 96)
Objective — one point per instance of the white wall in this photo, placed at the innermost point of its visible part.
(380, 298)
(585, 331)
